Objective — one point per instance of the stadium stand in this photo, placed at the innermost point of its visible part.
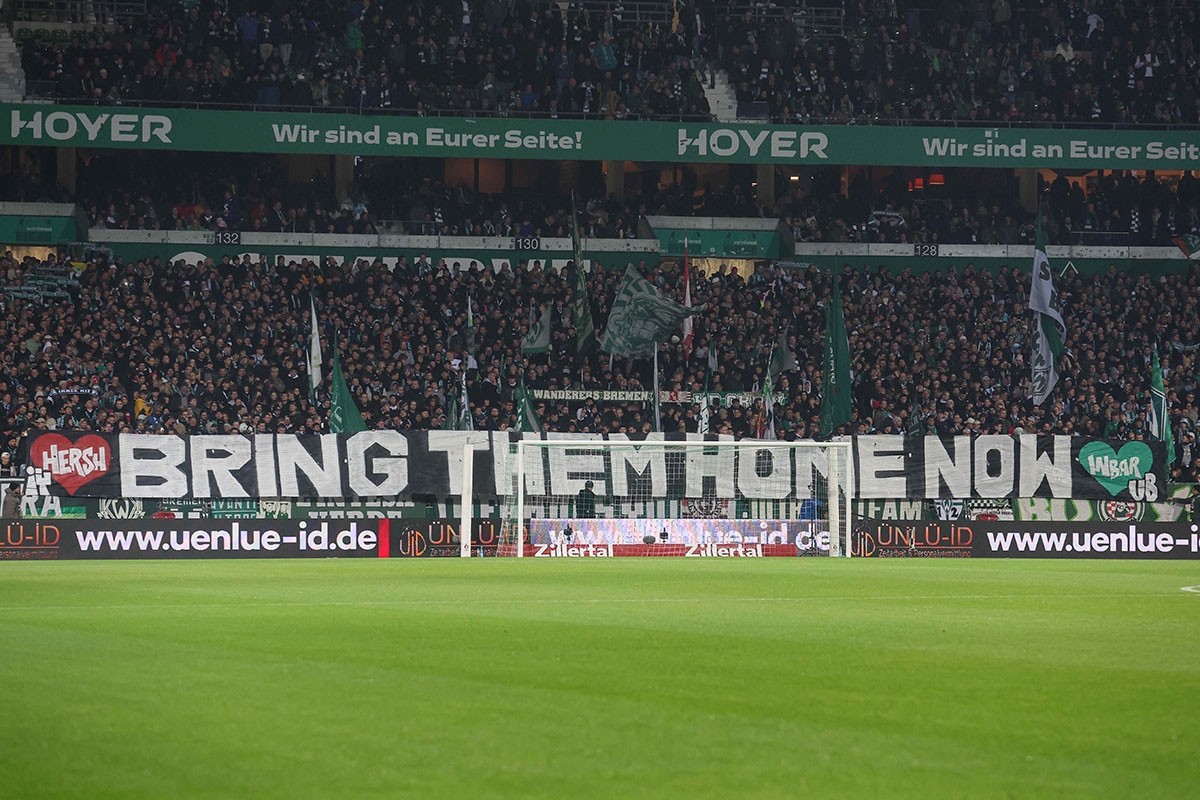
(195, 191)
(983, 62)
(862, 62)
(496, 58)
(219, 348)
(213, 347)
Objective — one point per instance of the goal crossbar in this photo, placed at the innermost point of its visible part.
(828, 460)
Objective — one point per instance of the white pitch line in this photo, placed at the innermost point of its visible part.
(564, 601)
(1195, 589)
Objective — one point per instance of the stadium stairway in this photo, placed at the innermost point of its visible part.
(12, 76)
(722, 100)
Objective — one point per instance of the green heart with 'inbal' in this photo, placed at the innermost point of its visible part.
(1114, 470)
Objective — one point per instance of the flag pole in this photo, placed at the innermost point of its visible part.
(1160, 410)
(688, 328)
(657, 411)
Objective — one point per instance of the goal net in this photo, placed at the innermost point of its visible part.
(593, 497)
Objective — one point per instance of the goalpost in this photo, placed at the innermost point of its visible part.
(592, 497)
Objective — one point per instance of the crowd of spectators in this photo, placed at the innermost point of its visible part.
(207, 347)
(188, 191)
(248, 192)
(1117, 208)
(985, 61)
(506, 57)
(989, 61)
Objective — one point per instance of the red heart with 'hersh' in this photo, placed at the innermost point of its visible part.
(71, 464)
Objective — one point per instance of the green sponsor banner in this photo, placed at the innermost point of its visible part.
(191, 253)
(51, 507)
(37, 230)
(718, 243)
(587, 140)
(989, 259)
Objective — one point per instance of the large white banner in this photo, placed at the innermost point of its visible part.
(429, 464)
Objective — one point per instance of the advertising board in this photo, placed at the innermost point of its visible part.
(1011, 539)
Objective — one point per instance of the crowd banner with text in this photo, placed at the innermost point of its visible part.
(1007, 539)
(724, 399)
(995, 466)
(1170, 507)
(409, 464)
(591, 140)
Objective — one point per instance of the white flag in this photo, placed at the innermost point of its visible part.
(537, 340)
(1051, 330)
(314, 350)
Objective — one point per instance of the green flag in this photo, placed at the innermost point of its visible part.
(641, 317)
(527, 418)
(585, 331)
(782, 359)
(453, 417)
(835, 390)
(916, 426)
(1160, 418)
(1051, 329)
(537, 340)
(344, 416)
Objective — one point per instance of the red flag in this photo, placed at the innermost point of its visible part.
(687, 301)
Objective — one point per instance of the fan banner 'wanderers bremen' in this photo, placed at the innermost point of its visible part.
(407, 464)
(1007, 539)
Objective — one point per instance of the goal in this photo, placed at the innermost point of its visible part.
(658, 497)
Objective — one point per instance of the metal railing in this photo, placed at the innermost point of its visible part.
(47, 91)
(638, 12)
(1098, 238)
(811, 21)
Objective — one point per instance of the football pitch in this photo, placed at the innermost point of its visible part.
(584, 678)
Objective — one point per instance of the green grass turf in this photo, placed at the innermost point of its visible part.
(587, 678)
